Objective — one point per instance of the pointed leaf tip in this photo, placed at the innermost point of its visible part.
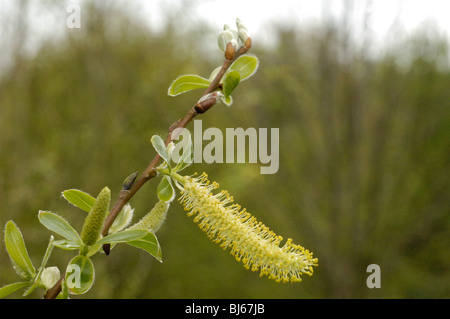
(59, 225)
(15, 245)
(246, 65)
(160, 147)
(79, 199)
(231, 82)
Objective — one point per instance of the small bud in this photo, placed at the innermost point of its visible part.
(224, 37)
(240, 26)
(243, 35)
(239, 23)
(230, 50)
(208, 101)
(129, 181)
(50, 276)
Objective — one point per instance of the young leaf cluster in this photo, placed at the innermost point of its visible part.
(79, 273)
(241, 69)
(30, 277)
(165, 190)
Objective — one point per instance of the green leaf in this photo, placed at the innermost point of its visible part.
(80, 274)
(9, 289)
(67, 244)
(227, 100)
(92, 250)
(185, 83)
(160, 147)
(48, 252)
(187, 157)
(123, 219)
(58, 225)
(79, 199)
(150, 244)
(123, 236)
(246, 65)
(165, 190)
(15, 245)
(231, 81)
(224, 37)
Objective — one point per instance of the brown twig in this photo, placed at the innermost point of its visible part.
(53, 292)
(129, 190)
(150, 171)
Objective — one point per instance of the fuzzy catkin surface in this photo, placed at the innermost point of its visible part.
(94, 221)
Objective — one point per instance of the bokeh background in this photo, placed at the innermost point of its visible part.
(364, 145)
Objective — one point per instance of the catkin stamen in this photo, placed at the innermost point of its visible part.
(250, 241)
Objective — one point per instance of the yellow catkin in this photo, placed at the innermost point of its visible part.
(250, 241)
(154, 219)
(94, 221)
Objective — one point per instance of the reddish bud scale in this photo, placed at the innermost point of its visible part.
(230, 51)
(248, 43)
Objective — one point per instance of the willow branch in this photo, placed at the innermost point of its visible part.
(150, 171)
(132, 184)
(53, 292)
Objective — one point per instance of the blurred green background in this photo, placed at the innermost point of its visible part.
(364, 153)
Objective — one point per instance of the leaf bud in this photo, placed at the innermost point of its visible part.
(50, 276)
(129, 181)
(231, 49)
(208, 101)
(239, 24)
(243, 35)
(224, 37)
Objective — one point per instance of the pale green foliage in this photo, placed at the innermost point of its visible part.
(80, 273)
(22, 263)
(232, 80)
(241, 69)
(17, 251)
(79, 199)
(185, 83)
